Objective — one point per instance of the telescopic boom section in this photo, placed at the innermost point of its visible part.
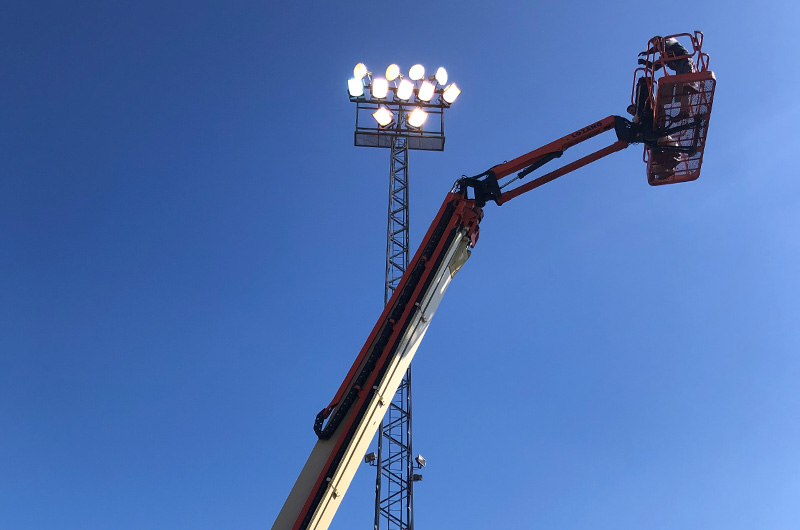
(366, 393)
(556, 147)
(487, 186)
(624, 137)
(346, 426)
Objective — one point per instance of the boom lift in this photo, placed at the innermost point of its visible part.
(673, 110)
(347, 425)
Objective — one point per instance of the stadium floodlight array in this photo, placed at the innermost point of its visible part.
(406, 95)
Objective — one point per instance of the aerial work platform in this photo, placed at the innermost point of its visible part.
(679, 105)
(670, 117)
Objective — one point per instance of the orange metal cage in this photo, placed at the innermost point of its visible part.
(681, 106)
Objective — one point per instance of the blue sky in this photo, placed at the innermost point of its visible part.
(191, 255)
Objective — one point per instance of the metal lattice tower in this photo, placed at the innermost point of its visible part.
(397, 229)
(385, 118)
(394, 486)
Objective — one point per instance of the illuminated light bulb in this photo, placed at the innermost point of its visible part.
(441, 76)
(451, 93)
(355, 87)
(383, 116)
(405, 89)
(380, 87)
(392, 72)
(417, 117)
(426, 91)
(417, 72)
(360, 71)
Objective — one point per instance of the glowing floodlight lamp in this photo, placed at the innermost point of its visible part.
(405, 89)
(383, 116)
(355, 87)
(417, 72)
(426, 91)
(360, 71)
(441, 76)
(451, 93)
(417, 118)
(380, 87)
(392, 72)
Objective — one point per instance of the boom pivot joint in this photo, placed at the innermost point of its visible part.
(484, 187)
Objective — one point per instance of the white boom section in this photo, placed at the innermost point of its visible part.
(455, 257)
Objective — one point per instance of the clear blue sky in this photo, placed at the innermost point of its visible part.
(191, 254)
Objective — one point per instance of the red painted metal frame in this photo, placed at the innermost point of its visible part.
(568, 168)
(557, 148)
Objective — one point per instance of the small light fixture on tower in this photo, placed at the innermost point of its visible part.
(417, 72)
(405, 90)
(380, 87)
(392, 72)
(355, 87)
(360, 71)
(417, 117)
(441, 76)
(426, 91)
(383, 116)
(451, 93)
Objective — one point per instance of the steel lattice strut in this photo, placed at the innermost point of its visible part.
(394, 499)
(397, 229)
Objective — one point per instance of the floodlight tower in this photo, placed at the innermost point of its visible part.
(406, 113)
